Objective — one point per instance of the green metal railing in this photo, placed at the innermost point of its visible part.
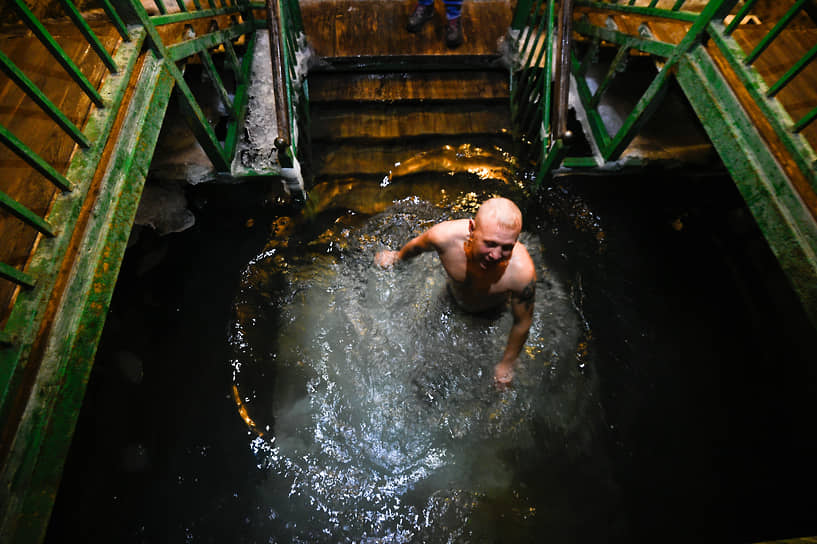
(706, 24)
(87, 143)
(148, 27)
(42, 380)
(761, 142)
(534, 39)
(286, 28)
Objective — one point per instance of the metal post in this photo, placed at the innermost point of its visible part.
(563, 70)
(276, 31)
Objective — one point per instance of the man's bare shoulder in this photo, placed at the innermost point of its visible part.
(521, 268)
(448, 233)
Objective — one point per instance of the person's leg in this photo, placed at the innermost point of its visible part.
(422, 14)
(453, 28)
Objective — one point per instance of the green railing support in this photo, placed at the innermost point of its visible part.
(25, 215)
(54, 48)
(793, 71)
(72, 12)
(212, 72)
(33, 92)
(115, 19)
(196, 45)
(525, 100)
(235, 66)
(805, 121)
(196, 119)
(13, 275)
(616, 66)
(34, 160)
(742, 12)
(160, 20)
(650, 10)
(240, 99)
(774, 32)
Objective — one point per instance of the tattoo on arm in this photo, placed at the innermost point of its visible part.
(527, 295)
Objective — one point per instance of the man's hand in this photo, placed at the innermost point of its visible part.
(386, 259)
(503, 374)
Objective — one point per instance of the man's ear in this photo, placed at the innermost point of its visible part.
(471, 226)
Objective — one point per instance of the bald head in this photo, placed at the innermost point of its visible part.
(501, 210)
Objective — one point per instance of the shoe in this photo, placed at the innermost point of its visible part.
(422, 14)
(453, 33)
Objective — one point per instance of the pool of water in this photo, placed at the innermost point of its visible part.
(260, 381)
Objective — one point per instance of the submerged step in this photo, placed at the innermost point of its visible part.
(399, 158)
(386, 121)
(409, 86)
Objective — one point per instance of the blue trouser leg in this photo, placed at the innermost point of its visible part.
(452, 7)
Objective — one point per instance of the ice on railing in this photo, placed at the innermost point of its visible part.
(256, 148)
(256, 151)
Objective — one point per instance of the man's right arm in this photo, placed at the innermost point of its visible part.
(427, 241)
(414, 247)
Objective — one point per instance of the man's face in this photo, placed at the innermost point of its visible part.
(491, 244)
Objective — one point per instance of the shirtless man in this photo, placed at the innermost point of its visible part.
(486, 266)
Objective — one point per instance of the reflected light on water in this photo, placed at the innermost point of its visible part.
(377, 389)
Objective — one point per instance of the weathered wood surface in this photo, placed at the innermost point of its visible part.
(449, 85)
(383, 121)
(349, 28)
(25, 119)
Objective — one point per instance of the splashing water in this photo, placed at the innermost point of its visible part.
(377, 392)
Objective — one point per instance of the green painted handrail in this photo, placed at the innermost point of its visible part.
(159, 20)
(805, 121)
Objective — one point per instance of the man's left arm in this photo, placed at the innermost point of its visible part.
(522, 311)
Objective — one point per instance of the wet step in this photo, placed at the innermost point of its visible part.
(406, 121)
(409, 86)
(399, 157)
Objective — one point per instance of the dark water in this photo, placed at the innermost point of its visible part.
(666, 393)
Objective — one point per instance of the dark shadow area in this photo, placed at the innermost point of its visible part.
(703, 354)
